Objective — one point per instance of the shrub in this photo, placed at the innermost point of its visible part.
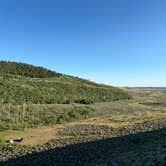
(30, 115)
(84, 101)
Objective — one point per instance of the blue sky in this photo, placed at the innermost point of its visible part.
(117, 42)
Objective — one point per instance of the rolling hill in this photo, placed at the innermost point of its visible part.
(23, 83)
(31, 96)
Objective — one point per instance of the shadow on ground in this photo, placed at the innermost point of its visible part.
(147, 148)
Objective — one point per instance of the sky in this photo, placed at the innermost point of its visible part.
(116, 42)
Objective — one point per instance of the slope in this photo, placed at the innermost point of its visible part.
(23, 83)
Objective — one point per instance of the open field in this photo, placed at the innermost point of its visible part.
(112, 134)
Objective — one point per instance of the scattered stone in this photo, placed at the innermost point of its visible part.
(10, 141)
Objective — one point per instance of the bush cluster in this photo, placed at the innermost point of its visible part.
(38, 91)
(29, 115)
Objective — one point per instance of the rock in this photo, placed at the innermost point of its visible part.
(10, 141)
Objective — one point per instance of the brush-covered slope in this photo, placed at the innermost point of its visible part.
(26, 70)
(23, 83)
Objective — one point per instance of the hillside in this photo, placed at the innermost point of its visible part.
(22, 83)
(26, 70)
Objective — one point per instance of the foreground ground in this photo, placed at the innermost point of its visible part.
(130, 132)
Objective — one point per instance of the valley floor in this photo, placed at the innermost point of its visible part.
(130, 132)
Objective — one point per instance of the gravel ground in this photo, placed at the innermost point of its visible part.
(94, 145)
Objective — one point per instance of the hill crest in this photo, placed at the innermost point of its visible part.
(27, 70)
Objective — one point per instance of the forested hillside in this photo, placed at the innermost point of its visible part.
(22, 83)
(25, 70)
